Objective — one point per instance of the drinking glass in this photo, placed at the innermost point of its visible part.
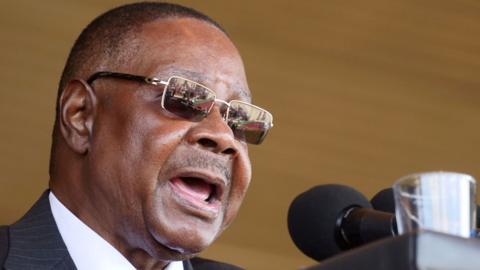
(437, 201)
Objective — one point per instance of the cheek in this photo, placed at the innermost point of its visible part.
(130, 146)
(242, 174)
(152, 143)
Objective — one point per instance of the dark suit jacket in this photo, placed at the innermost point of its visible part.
(34, 242)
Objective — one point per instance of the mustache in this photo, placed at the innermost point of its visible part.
(205, 161)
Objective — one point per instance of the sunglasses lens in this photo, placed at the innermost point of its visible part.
(188, 99)
(248, 122)
(193, 102)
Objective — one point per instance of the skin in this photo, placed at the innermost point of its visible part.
(119, 149)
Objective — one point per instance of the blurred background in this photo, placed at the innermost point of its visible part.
(362, 93)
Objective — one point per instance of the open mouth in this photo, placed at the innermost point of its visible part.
(197, 191)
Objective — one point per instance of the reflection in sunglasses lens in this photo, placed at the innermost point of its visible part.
(187, 99)
(251, 132)
(248, 123)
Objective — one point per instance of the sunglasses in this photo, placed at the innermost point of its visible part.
(193, 101)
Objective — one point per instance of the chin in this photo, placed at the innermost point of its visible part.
(179, 251)
(177, 228)
(190, 244)
(181, 243)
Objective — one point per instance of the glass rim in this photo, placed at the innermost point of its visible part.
(418, 175)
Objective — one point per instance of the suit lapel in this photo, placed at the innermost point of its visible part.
(35, 242)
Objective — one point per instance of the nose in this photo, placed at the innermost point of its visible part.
(213, 134)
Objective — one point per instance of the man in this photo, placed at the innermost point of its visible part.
(149, 164)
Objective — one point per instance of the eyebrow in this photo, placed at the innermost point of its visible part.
(243, 93)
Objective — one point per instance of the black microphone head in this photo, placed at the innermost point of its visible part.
(384, 201)
(478, 216)
(313, 217)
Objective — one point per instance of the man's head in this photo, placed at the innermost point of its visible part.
(153, 184)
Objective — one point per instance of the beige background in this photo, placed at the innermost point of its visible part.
(362, 92)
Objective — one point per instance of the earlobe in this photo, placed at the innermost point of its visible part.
(77, 111)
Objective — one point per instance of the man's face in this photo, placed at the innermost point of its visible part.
(162, 183)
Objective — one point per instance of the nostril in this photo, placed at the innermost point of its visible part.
(215, 146)
(207, 143)
(229, 151)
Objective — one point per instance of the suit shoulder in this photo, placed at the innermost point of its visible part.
(3, 245)
(206, 264)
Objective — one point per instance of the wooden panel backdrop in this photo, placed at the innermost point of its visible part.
(362, 92)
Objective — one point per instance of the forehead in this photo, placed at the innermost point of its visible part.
(195, 50)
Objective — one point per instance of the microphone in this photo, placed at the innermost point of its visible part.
(384, 201)
(328, 219)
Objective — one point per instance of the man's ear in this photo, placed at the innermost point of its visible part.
(77, 113)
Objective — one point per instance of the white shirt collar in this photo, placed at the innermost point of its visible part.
(89, 251)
